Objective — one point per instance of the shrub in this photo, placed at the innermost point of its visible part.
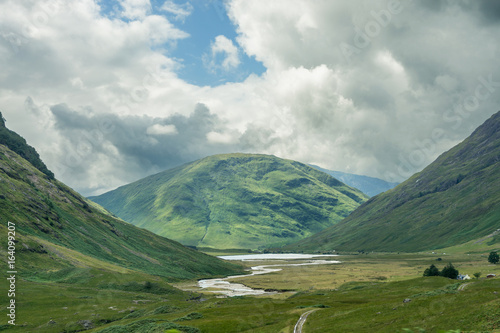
(431, 271)
(165, 309)
(494, 258)
(191, 316)
(449, 271)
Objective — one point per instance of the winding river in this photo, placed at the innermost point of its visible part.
(224, 287)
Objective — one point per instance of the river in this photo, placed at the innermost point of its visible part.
(224, 287)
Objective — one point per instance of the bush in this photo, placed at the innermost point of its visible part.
(147, 287)
(449, 271)
(191, 316)
(493, 258)
(149, 326)
(135, 314)
(165, 309)
(431, 271)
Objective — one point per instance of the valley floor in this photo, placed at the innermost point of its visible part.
(364, 293)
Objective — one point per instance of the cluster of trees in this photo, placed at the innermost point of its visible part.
(451, 272)
(448, 271)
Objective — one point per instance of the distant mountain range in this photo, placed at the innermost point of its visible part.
(235, 201)
(56, 228)
(454, 200)
(368, 185)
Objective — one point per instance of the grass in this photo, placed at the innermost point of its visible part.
(56, 229)
(363, 303)
(379, 307)
(365, 294)
(65, 306)
(235, 201)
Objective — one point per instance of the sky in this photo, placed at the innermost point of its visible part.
(110, 91)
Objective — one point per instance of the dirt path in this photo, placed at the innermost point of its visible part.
(463, 286)
(302, 321)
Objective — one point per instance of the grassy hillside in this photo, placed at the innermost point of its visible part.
(368, 185)
(235, 201)
(94, 298)
(18, 144)
(57, 229)
(454, 200)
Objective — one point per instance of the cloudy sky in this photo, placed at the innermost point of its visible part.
(109, 91)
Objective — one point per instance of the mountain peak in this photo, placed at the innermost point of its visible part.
(454, 200)
(237, 200)
(490, 128)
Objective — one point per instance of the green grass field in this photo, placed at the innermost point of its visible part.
(364, 293)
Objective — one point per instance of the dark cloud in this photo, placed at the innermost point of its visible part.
(131, 144)
(69, 120)
(433, 5)
(490, 9)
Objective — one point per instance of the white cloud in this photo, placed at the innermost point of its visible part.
(216, 137)
(179, 12)
(135, 9)
(159, 30)
(158, 129)
(375, 114)
(400, 87)
(224, 47)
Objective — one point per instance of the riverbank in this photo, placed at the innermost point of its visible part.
(370, 299)
(227, 287)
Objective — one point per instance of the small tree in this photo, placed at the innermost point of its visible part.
(431, 271)
(449, 271)
(477, 275)
(494, 258)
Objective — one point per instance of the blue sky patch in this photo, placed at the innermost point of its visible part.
(203, 57)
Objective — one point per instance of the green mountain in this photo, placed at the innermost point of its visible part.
(235, 201)
(454, 200)
(368, 185)
(18, 144)
(57, 229)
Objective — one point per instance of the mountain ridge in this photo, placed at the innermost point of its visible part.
(454, 200)
(370, 186)
(261, 199)
(19, 145)
(57, 228)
